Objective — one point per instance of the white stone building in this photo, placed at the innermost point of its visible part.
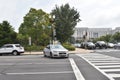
(91, 32)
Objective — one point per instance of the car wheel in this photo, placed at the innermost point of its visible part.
(100, 47)
(15, 53)
(51, 55)
(106, 47)
(44, 54)
(19, 54)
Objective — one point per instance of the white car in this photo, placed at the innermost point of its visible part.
(77, 45)
(56, 50)
(15, 49)
(110, 45)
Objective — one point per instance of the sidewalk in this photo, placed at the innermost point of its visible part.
(77, 50)
(80, 50)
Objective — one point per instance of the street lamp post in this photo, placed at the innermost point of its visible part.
(36, 29)
(52, 17)
(30, 43)
(85, 39)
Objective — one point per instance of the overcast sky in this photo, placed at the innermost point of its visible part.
(93, 13)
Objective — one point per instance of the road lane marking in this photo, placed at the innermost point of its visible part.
(101, 64)
(110, 77)
(109, 66)
(33, 73)
(103, 61)
(113, 50)
(8, 64)
(32, 63)
(114, 75)
(76, 70)
(111, 70)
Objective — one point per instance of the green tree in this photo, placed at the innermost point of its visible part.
(7, 33)
(116, 37)
(106, 38)
(23, 39)
(35, 25)
(66, 19)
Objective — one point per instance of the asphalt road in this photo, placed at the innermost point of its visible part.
(36, 67)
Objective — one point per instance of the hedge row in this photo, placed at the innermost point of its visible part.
(69, 46)
(34, 48)
(40, 48)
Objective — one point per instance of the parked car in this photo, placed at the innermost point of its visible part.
(77, 45)
(117, 46)
(55, 50)
(15, 49)
(83, 44)
(101, 44)
(110, 45)
(90, 45)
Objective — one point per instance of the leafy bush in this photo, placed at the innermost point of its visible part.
(69, 46)
(34, 48)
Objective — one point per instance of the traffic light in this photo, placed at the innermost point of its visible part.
(83, 36)
(86, 33)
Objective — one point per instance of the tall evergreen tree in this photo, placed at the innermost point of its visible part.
(7, 33)
(66, 19)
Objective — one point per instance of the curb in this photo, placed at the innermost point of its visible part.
(70, 52)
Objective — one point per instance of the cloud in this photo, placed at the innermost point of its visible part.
(103, 13)
(94, 13)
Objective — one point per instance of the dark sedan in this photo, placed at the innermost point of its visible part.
(101, 44)
(88, 45)
(117, 46)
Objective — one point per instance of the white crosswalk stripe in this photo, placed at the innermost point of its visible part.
(107, 65)
(103, 64)
(111, 70)
(108, 50)
(111, 66)
(114, 75)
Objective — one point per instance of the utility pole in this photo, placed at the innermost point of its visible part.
(30, 43)
(53, 31)
(85, 39)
